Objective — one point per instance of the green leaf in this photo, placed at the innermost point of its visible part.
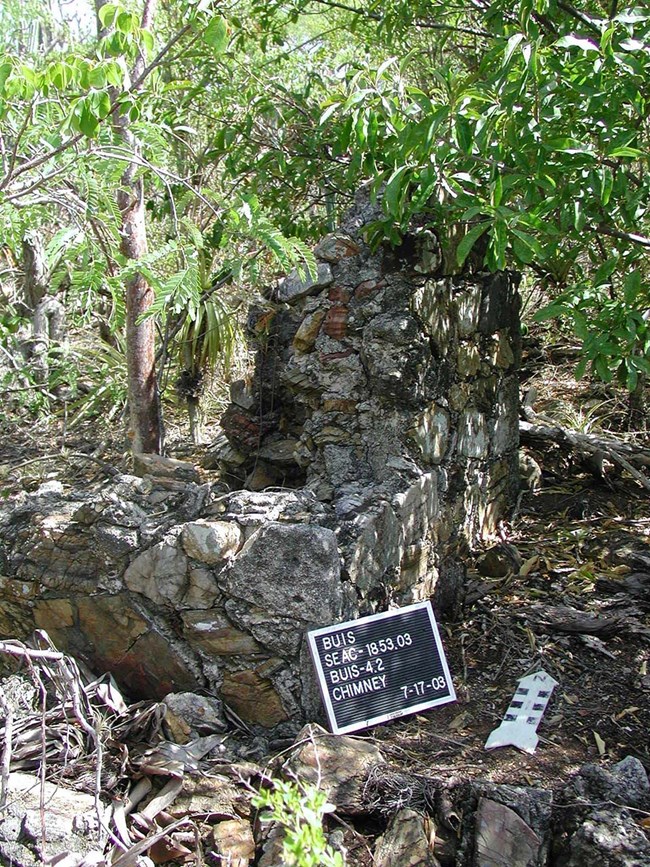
(107, 14)
(114, 73)
(148, 41)
(126, 22)
(626, 151)
(579, 216)
(632, 378)
(395, 186)
(605, 271)
(496, 193)
(216, 34)
(464, 248)
(522, 251)
(101, 104)
(550, 311)
(97, 77)
(531, 242)
(384, 66)
(607, 185)
(632, 287)
(472, 212)
(572, 41)
(496, 254)
(329, 111)
(602, 368)
(88, 123)
(511, 47)
(581, 368)
(464, 134)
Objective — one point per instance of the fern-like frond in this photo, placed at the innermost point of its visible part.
(193, 232)
(146, 262)
(178, 293)
(304, 259)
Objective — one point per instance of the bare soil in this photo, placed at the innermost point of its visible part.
(600, 710)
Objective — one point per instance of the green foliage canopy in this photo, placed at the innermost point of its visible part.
(532, 132)
(520, 131)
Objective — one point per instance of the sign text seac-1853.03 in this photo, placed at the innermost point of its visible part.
(381, 667)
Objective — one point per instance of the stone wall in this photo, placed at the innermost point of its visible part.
(375, 441)
(390, 391)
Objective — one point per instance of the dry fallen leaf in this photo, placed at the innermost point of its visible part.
(628, 710)
(459, 721)
(600, 743)
(528, 565)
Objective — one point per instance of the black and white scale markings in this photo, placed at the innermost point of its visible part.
(519, 726)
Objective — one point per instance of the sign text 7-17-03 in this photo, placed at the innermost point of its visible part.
(381, 667)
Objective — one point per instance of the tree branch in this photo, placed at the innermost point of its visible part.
(428, 25)
(579, 16)
(38, 183)
(71, 142)
(157, 59)
(624, 236)
(38, 161)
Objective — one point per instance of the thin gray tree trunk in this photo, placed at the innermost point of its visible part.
(46, 313)
(144, 402)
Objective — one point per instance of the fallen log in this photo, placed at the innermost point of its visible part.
(629, 456)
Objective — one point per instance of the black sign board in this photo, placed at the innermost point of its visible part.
(381, 667)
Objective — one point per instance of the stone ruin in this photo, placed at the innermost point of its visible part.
(375, 441)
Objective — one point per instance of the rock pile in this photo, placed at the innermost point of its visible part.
(423, 822)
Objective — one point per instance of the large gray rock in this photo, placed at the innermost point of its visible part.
(209, 630)
(69, 822)
(118, 634)
(214, 796)
(160, 574)
(378, 548)
(593, 813)
(405, 842)
(532, 805)
(233, 842)
(189, 716)
(290, 570)
(211, 542)
(296, 286)
(334, 247)
(275, 633)
(503, 839)
(609, 838)
(626, 784)
(251, 508)
(338, 764)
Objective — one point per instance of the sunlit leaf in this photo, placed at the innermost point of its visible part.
(465, 246)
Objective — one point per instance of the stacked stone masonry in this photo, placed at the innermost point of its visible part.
(374, 442)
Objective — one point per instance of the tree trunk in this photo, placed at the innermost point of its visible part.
(46, 313)
(637, 411)
(144, 405)
(35, 276)
(145, 426)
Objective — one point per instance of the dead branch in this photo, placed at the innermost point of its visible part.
(572, 621)
(17, 648)
(7, 711)
(626, 455)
